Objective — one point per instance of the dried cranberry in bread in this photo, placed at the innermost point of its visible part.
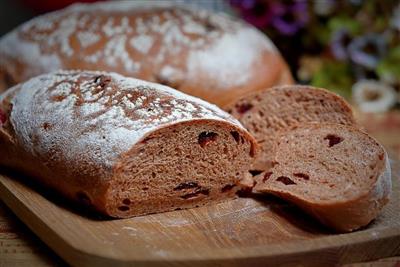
(124, 146)
(211, 56)
(266, 113)
(335, 172)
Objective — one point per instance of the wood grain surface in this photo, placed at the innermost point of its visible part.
(243, 231)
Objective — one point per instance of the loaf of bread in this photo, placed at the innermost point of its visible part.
(335, 172)
(123, 146)
(266, 113)
(211, 56)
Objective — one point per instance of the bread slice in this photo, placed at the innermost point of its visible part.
(336, 173)
(277, 109)
(122, 146)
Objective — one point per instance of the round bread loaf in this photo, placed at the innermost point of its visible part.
(211, 56)
(123, 146)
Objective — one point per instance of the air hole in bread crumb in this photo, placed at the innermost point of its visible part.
(302, 175)
(267, 175)
(227, 188)
(206, 138)
(372, 166)
(255, 172)
(123, 208)
(285, 180)
(153, 174)
(333, 139)
(145, 188)
(243, 108)
(235, 136)
(126, 201)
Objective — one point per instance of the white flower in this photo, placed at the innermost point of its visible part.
(373, 96)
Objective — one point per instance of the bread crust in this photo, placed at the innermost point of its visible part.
(48, 135)
(211, 56)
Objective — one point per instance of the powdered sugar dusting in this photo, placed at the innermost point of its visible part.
(87, 38)
(142, 43)
(11, 45)
(102, 114)
(125, 32)
(229, 58)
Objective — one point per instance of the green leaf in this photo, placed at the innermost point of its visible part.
(334, 76)
(390, 65)
(340, 22)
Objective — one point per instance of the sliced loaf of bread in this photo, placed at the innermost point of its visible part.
(122, 146)
(268, 112)
(335, 172)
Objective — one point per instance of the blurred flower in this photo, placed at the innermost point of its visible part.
(362, 73)
(308, 67)
(367, 50)
(324, 7)
(334, 76)
(255, 12)
(373, 96)
(395, 21)
(389, 68)
(340, 39)
(288, 19)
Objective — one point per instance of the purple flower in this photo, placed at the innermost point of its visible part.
(255, 12)
(367, 50)
(340, 39)
(288, 19)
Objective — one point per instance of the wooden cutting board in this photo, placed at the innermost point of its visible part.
(245, 231)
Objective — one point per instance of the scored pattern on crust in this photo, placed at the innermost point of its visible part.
(179, 40)
(96, 116)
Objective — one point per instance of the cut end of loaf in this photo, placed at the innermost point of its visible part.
(268, 112)
(181, 166)
(333, 171)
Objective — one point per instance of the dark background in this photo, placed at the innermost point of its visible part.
(12, 13)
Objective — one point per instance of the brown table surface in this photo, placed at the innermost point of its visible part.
(20, 247)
